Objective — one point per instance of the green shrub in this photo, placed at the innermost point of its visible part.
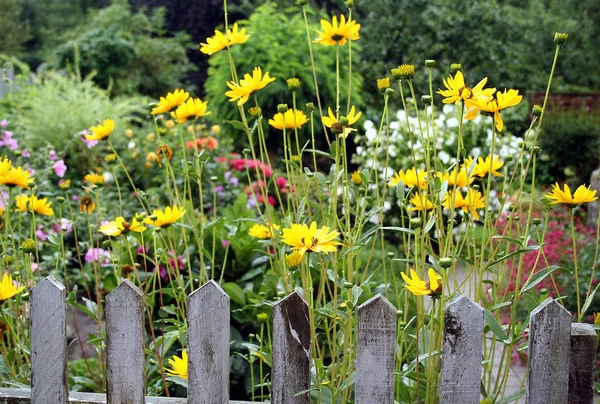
(278, 44)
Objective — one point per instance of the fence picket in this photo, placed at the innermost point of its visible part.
(208, 345)
(549, 348)
(125, 345)
(375, 351)
(462, 352)
(48, 343)
(291, 351)
(584, 342)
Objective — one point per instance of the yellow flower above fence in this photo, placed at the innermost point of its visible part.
(7, 288)
(179, 366)
(456, 90)
(335, 33)
(120, 226)
(170, 101)
(101, 131)
(192, 108)
(290, 119)
(166, 218)
(419, 287)
(262, 231)
(303, 238)
(248, 85)
(221, 41)
(582, 194)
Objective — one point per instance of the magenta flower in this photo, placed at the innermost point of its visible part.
(8, 141)
(64, 225)
(52, 155)
(40, 233)
(59, 168)
(98, 255)
(88, 143)
(25, 153)
(4, 123)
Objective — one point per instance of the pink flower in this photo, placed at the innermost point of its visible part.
(25, 153)
(88, 143)
(99, 255)
(8, 141)
(281, 182)
(52, 155)
(4, 123)
(40, 233)
(59, 168)
(64, 225)
(34, 267)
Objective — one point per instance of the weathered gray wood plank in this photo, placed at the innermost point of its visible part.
(208, 341)
(462, 352)
(582, 369)
(48, 343)
(549, 348)
(375, 351)
(291, 351)
(125, 345)
(18, 396)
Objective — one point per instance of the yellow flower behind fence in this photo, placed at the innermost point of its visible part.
(7, 288)
(419, 287)
(303, 238)
(179, 366)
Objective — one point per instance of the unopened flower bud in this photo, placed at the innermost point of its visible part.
(383, 84)
(389, 92)
(390, 254)
(426, 99)
(214, 178)
(560, 38)
(446, 262)
(455, 67)
(106, 243)
(293, 84)
(60, 199)
(429, 63)
(282, 108)
(262, 317)
(403, 72)
(543, 291)
(537, 110)
(537, 221)
(246, 151)
(310, 107)
(31, 185)
(416, 222)
(349, 3)
(255, 112)
(28, 246)
(535, 149)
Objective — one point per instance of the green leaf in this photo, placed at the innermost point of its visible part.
(235, 292)
(538, 277)
(400, 229)
(512, 398)
(237, 124)
(589, 300)
(494, 325)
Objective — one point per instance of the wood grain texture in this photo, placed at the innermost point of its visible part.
(582, 368)
(375, 351)
(549, 348)
(48, 343)
(208, 342)
(125, 345)
(291, 351)
(462, 352)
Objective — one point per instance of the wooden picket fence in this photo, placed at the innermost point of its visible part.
(561, 354)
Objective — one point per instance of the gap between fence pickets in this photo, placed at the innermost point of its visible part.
(550, 342)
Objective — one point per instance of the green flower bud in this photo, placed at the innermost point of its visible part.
(560, 38)
(293, 84)
(455, 67)
(28, 246)
(537, 110)
(262, 317)
(537, 221)
(416, 222)
(282, 108)
(446, 262)
(255, 112)
(310, 107)
(429, 63)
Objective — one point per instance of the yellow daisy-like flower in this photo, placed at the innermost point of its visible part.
(7, 288)
(337, 34)
(120, 226)
(40, 206)
(356, 178)
(454, 178)
(16, 177)
(5, 165)
(419, 287)
(87, 204)
(493, 106)
(469, 204)
(101, 131)
(482, 167)
(342, 126)
(193, 107)
(294, 259)
(166, 218)
(411, 178)
(179, 366)
(248, 85)
(21, 201)
(303, 238)
(456, 90)
(170, 101)
(222, 41)
(420, 202)
(262, 231)
(95, 179)
(597, 318)
(291, 119)
(582, 194)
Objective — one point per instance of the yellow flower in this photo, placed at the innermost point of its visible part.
(403, 72)
(193, 107)
(219, 41)
(420, 202)
(166, 218)
(493, 106)
(22, 201)
(597, 318)
(303, 238)
(179, 366)
(248, 85)
(454, 178)
(87, 204)
(95, 179)
(5, 165)
(262, 231)
(7, 288)
(291, 119)
(356, 179)
(120, 226)
(294, 259)
(16, 177)
(482, 168)
(469, 204)
(419, 287)
(129, 133)
(343, 125)
(412, 178)
(101, 131)
(26, 203)
(170, 101)
(383, 84)
(337, 34)
(457, 91)
(582, 194)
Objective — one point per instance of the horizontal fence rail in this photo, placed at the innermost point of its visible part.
(561, 355)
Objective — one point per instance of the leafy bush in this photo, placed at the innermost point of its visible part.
(279, 45)
(128, 51)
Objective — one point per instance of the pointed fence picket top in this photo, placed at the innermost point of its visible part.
(462, 352)
(290, 373)
(48, 343)
(584, 342)
(375, 351)
(208, 345)
(125, 345)
(549, 349)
